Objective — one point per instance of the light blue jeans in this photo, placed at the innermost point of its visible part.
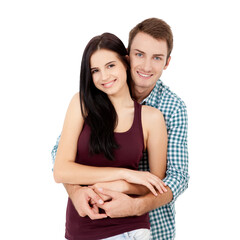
(138, 234)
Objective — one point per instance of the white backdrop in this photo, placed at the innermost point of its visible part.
(41, 45)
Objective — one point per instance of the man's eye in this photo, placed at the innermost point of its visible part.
(157, 58)
(139, 54)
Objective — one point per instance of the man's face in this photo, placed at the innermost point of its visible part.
(148, 59)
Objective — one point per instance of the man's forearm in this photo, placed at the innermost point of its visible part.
(71, 188)
(149, 202)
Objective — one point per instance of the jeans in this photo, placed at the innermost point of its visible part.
(138, 234)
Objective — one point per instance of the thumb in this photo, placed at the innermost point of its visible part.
(107, 192)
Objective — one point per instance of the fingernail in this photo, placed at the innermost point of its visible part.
(100, 201)
(100, 189)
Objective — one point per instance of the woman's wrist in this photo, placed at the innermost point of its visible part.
(125, 174)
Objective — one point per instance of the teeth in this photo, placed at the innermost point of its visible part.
(108, 84)
(144, 75)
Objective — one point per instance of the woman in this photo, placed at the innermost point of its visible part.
(104, 135)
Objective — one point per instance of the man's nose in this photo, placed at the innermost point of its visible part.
(147, 65)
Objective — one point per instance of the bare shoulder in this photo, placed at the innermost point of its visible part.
(151, 114)
(75, 102)
(75, 99)
(74, 108)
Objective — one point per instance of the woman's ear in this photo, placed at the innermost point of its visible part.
(127, 57)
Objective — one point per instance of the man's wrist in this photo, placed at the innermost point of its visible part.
(139, 206)
(71, 189)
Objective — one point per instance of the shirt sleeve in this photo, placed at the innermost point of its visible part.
(177, 155)
(54, 150)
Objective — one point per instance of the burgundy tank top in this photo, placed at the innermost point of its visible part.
(128, 155)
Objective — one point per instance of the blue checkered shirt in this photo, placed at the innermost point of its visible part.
(174, 110)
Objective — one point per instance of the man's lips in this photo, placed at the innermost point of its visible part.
(109, 84)
(144, 75)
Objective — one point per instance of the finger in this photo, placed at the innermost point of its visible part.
(95, 216)
(95, 198)
(161, 186)
(91, 212)
(107, 192)
(104, 197)
(158, 183)
(150, 187)
(95, 209)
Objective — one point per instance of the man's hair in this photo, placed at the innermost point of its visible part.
(156, 28)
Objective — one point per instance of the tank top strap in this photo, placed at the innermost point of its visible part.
(137, 124)
(137, 113)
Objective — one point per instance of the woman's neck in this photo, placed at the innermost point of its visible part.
(121, 100)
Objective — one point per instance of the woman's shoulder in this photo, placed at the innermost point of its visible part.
(151, 110)
(151, 115)
(74, 107)
(75, 98)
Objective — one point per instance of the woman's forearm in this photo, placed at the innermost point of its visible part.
(123, 187)
(74, 173)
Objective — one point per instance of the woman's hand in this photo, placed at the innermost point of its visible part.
(146, 179)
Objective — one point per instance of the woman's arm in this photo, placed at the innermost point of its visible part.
(123, 187)
(155, 135)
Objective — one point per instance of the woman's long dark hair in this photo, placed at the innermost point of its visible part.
(97, 109)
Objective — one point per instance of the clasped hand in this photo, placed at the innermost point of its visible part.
(110, 197)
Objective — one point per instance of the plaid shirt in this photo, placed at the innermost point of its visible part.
(174, 110)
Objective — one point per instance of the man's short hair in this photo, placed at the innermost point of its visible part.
(156, 28)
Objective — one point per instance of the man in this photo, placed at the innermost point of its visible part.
(150, 46)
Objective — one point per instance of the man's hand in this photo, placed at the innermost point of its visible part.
(82, 197)
(121, 205)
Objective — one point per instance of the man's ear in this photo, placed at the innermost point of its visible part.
(167, 63)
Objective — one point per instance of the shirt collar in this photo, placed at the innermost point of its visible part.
(156, 90)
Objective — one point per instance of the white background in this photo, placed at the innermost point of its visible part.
(41, 45)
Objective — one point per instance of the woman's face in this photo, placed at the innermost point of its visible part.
(108, 72)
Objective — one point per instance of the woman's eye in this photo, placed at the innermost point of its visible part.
(111, 65)
(94, 71)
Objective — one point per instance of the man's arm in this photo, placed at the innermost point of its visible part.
(122, 205)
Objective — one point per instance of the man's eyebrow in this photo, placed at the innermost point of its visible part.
(155, 55)
(160, 54)
(138, 50)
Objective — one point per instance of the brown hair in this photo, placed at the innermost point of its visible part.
(156, 28)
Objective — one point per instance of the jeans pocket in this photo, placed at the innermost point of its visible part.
(140, 234)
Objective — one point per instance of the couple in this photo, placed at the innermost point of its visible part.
(104, 127)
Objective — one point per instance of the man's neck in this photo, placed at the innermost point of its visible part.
(139, 94)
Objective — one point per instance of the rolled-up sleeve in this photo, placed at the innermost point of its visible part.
(54, 150)
(177, 176)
